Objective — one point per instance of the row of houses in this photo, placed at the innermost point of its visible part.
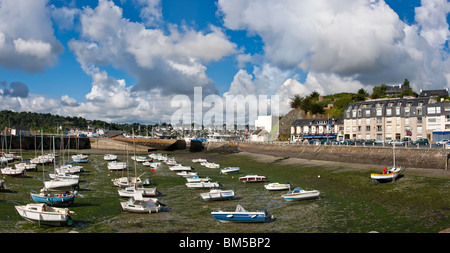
(381, 120)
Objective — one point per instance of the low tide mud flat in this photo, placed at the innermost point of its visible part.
(349, 203)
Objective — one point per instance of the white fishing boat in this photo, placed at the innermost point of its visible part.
(131, 191)
(46, 215)
(186, 174)
(203, 185)
(253, 179)
(110, 157)
(300, 194)
(199, 160)
(277, 186)
(229, 170)
(217, 194)
(117, 166)
(14, 172)
(127, 181)
(180, 168)
(197, 179)
(139, 204)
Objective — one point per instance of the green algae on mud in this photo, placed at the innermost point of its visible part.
(349, 202)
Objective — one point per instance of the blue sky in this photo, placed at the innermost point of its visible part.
(125, 60)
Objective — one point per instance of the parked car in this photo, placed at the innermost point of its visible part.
(442, 142)
(422, 142)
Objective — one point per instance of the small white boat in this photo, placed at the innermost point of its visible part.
(127, 181)
(210, 165)
(40, 160)
(203, 185)
(197, 179)
(110, 157)
(70, 169)
(277, 186)
(253, 179)
(80, 158)
(26, 166)
(229, 170)
(300, 194)
(44, 214)
(186, 174)
(138, 204)
(180, 168)
(217, 194)
(117, 166)
(199, 160)
(152, 164)
(140, 159)
(14, 172)
(131, 191)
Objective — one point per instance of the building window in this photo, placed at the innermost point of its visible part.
(388, 112)
(379, 128)
(367, 128)
(379, 112)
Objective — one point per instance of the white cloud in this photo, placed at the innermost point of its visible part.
(355, 41)
(34, 48)
(27, 41)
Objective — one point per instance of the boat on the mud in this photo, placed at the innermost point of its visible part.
(277, 186)
(139, 204)
(197, 179)
(54, 199)
(217, 194)
(242, 215)
(229, 170)
(253, 179)
(41, 213)
(203, 185)
(300, 194)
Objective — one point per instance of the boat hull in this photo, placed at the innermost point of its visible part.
(277, 187)
(53, 201)
(253, 179)
(229, 170)
(45, 218)
(301, 196)
(217, 195)
(249, 217)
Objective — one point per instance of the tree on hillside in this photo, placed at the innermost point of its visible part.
(296, 101)
(379, 91)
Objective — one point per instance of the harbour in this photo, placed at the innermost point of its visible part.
(349, 201)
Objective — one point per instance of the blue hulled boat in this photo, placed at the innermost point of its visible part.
(241, 215)
(54, 199)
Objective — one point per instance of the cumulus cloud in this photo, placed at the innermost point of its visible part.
(362, 42)
(27, 41)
